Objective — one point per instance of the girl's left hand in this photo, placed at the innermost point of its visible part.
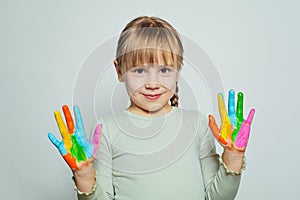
(234, 132)
(76, 149)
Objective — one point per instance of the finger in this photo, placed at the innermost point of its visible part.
(81, 135)
(239, 106)
(63, 131)
(215, 130)
(78, 118)
(231, 107)
(61, 125)
(57, 144)
(53, 139)
(69, 119)
(96, 139)
(213, 126)
(231, 102)
(251, 115)
(222, 108)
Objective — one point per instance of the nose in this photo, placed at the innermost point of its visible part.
(151, 85)
(152, 81)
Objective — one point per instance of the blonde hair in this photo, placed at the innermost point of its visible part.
(146, 39)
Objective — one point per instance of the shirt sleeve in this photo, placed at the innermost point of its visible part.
(103, 166)
(218, 183)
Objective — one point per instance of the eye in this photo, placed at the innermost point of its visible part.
(165, 70)
(138, 70)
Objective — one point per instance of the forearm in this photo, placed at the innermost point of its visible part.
(224, 186)
(219, 183)
(226, 182)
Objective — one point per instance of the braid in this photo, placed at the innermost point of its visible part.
(175, 97)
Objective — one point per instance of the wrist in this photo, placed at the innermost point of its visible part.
(231, 172)
(85, 179)
(233, 160)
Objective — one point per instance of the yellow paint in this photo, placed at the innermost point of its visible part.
(222, 108)
(63, 131)
(226, 128)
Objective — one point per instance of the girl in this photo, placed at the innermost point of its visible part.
(153, 149)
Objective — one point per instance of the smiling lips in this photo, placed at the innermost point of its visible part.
(152, 96)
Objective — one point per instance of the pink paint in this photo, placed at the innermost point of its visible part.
(244, 132)
(96, 140)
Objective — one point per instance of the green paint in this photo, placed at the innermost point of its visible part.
(236, 130)
(239, 107)
(239, 115)
(76, 150)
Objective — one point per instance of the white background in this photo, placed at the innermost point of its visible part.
(255, 46)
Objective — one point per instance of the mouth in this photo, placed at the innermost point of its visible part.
(152, 96)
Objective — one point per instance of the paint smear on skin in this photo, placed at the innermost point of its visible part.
(236, 130)
(226, 126)
(77, 150)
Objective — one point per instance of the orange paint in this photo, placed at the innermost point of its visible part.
(71, 161)
(222, 140)
(69, 119)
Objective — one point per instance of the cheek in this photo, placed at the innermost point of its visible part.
(134, 84)
(169, 83)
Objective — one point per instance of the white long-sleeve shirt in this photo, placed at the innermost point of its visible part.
(160, 158)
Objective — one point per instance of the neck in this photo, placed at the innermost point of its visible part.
(148, 113)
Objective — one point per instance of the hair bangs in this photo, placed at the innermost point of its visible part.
(144, 46)
(150, 56)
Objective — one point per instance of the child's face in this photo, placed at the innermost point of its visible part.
(150, 87)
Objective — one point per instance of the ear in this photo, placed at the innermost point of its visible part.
(118, 70)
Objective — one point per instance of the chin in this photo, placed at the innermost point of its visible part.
(156, 108)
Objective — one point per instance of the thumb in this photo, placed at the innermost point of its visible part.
(57, 144)
(215, 130)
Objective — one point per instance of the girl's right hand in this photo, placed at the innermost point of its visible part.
(233, 134)
(76, 149)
